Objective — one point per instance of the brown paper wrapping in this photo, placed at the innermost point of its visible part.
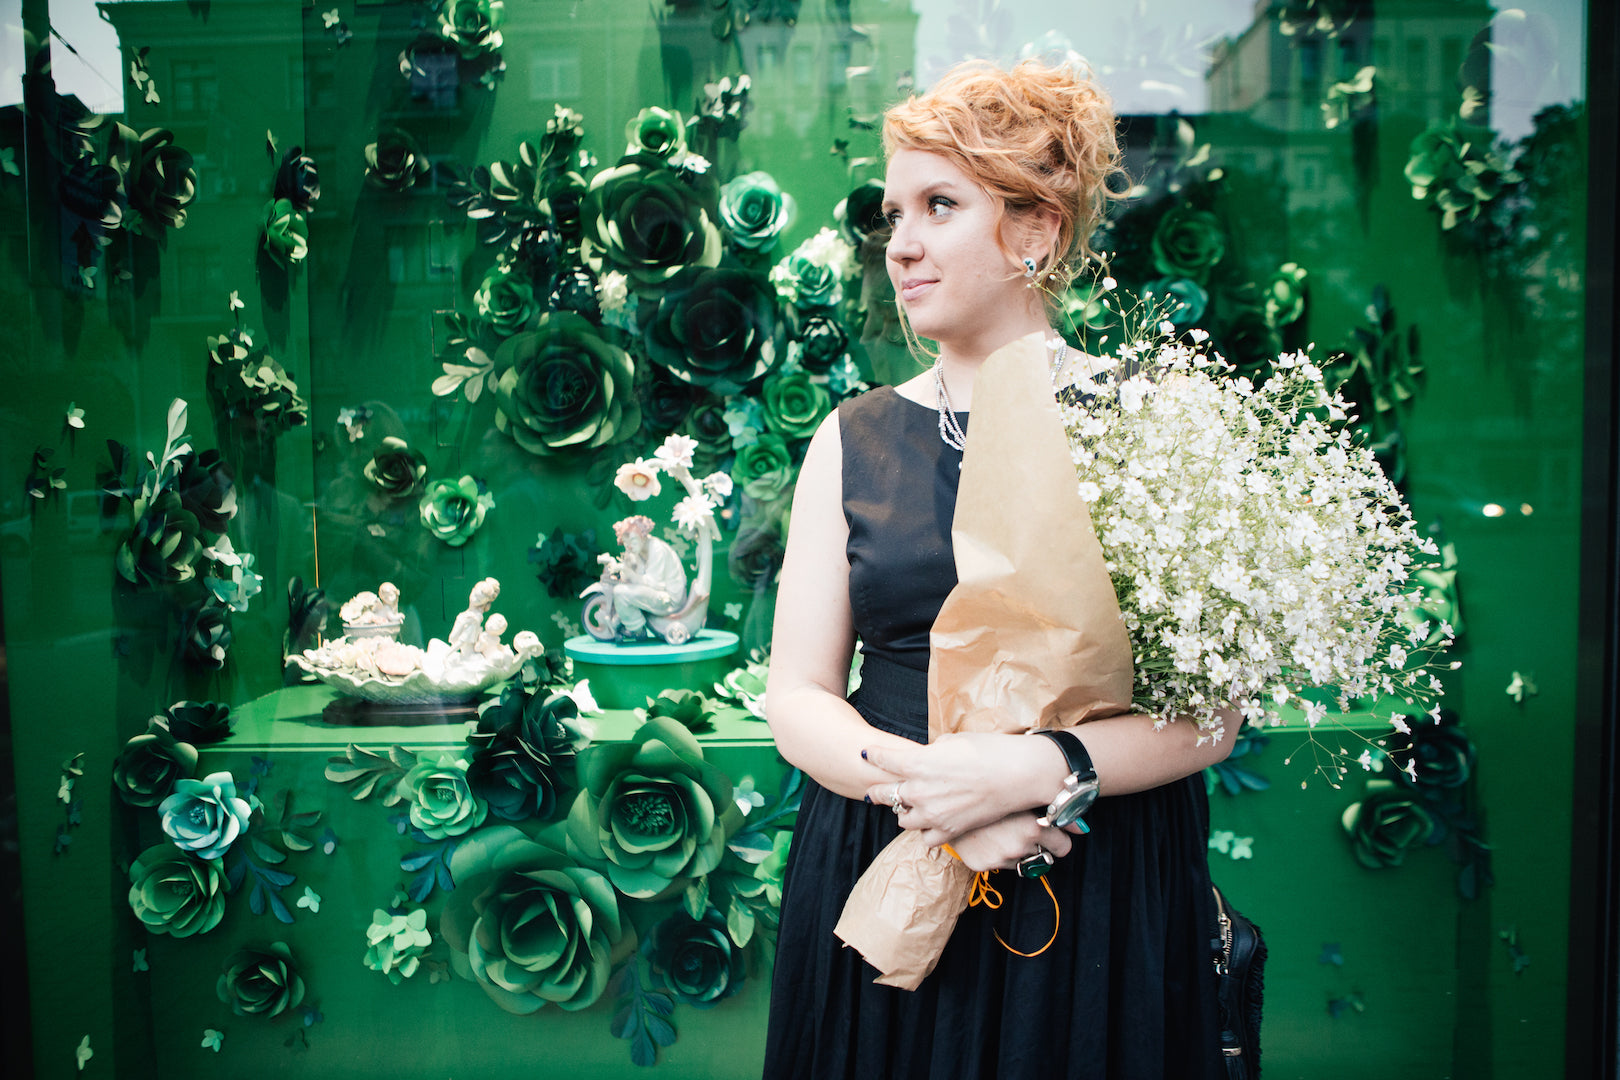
(1029, 637)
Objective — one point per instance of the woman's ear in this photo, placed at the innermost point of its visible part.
(1036, 237)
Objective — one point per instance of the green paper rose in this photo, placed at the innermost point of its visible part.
(162, 181)
(687, 708)
(1188, 243)
(1284, 294)
(565, 202)
(794, 406)
(453, 510)
(164, 547)
(755, 557)
(1440, 755)
(696, 959)
(395, 944)
(506, 302)
(712, 328)
(567, 562)
(207, 489)
(644, 221)
(764, 468)
(173, 892)
(522, 746)
(286, 232)
(261, 981)
(472, 26)
(394, 162)
(443, 803)
(1386, 823)
(297, 180)
(1184, 301)
(666, 401)
(395, 469)
(810, 285)
(755, 211)
(707, 425)
(208, 635)
(145, 770)
(656, 131)
(820, 343)
(205, 816)
(651, 811)
(200, 723)
(529, 925)
(563, 388)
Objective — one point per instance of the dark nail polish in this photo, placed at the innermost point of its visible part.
(863, 755)
(868, 798)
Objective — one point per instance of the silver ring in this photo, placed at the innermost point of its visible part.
(898, 806)
(1037, 864)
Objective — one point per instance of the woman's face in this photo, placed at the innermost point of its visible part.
(956, 285)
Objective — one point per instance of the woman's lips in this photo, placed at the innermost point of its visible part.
(913, 288)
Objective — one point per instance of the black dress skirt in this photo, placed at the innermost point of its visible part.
(1126, 991)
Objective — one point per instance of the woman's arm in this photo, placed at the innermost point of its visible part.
(961, 782)
(814, 636)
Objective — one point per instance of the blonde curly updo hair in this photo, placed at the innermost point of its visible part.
(1035, 137)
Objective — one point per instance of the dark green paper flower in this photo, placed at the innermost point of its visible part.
(1284, 295)
(1387, 822)
(173, 892)
(794, 406)
(1461, 167)
(207, 489)
(707, 424)
(562, 388)
(200, 723)
(395, 469)
(251, 385)
(529, 925)
(163, 546)
(443, 803)
(643, 220)
(756, 555)
(822, 342)
(162, 181)
(506, 302)
(145, 770)
(567, 562)
(523, 744)
(472, 26)
(394, 162)
(1438, 602)
(712, 328)
(1441, 754)
(286, 233)
(297, 180)
(1185, 300)
(208, 636)
(696, 958)
(651, 811)
(764, 468)
(755, 210)
(261, 981)
(666, 401)
(1188, 243)
(860, 215)
(656, 131)
(688, 708)
(453, 510)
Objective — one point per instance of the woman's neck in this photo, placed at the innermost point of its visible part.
(961, 361)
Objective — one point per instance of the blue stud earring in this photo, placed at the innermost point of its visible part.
(1029, 267)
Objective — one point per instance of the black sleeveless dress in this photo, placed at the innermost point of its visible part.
(1127, 990)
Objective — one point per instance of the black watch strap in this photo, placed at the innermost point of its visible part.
(1074, 752)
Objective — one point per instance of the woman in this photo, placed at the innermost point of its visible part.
(995, 180)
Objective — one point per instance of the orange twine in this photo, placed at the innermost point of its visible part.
(982, 892)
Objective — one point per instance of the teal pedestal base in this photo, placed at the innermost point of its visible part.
(624, 675)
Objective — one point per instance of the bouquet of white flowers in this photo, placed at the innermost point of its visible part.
(1254, 548)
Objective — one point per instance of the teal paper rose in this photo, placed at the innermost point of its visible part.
(261, 981)
(696, 959)
(472, 26)
(1183, 300)
(656, 131)
(755, 210)
(453, 510)
(808, 284)
(530, 925)
(395, 469)
(712, 328)
(652, 812)
(146, 769)
(688, 708)
(763, 469)
(644, 221)
(443, 803)
(506, 302)
(1188, 244)
(563, 388)
(173, 892)
(286, 232)
(1385, 824)
(794, 406)
(205, 816)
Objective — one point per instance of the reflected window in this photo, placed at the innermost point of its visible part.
(553, 75)
(194, 86)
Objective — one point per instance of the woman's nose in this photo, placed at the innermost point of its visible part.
(903, 243)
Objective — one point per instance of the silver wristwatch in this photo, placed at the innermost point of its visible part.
(1079, 789)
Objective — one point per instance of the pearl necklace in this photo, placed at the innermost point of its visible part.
(950, 431)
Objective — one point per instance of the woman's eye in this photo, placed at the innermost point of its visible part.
(939, 204)
(890, 217)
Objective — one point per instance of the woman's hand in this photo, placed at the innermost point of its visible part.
(960, 782)
(1001, 844)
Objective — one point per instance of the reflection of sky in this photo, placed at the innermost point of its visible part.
(94, 74)
(1152, 54)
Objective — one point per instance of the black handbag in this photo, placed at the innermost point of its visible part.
(1240, 962)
